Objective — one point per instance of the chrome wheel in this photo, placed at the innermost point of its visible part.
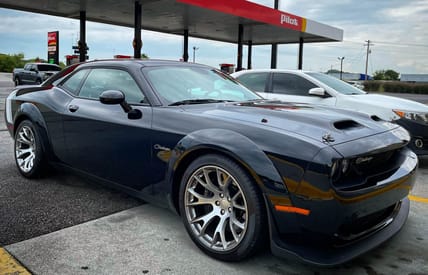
(25, 149)
(216, 208)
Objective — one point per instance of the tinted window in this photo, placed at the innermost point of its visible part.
(73, 83)
(100, 80)
(284, 83)
(337, 84)
(47, 67)
(254, 81)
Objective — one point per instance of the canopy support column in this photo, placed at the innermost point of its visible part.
(250, 50)
(274, 50)
(137, 43)
(186, 45)
(240, 36)
(300, 65)
(273, 56)
(82, 40)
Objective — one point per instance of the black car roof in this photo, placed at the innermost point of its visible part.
(141, 62)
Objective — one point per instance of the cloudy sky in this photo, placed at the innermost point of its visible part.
(398, 29)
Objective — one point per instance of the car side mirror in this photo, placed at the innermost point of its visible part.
(113, 97)
(317, 92)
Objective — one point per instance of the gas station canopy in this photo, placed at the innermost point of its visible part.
(216, 20)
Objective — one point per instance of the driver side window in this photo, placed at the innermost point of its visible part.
(291, 84)
(100, 80)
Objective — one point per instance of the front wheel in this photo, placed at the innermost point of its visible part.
(17, 81)
(222, 209)
(29, 156)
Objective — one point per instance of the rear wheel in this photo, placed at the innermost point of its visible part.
(29, 155)
(221, 208)
(17, 81)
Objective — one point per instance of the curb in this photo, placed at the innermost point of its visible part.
(9, 265)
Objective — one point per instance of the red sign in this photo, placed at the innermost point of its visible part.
(52, 38)
(252, 11)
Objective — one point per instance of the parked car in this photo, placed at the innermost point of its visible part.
(34, 73)
(323, 185)
(356, 84)
(321, 89)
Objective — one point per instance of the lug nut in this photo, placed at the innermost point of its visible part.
(217, 203)
(230, 209)
(222, 211)
(221, 195)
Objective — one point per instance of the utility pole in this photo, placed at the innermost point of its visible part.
(367, 56)
(341, 65)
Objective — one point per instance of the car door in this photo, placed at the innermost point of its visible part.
(256, 82)
(295, 88)
(26, 73)
(100, 139)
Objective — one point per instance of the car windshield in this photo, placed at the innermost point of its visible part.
(179, 85)
(45, 68)
(337, 84)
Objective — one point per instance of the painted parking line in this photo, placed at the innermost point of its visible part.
(9, 266)
(418, 199)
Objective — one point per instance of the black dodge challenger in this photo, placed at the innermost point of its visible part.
(322, 185)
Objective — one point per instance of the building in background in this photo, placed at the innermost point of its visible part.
(414, 78)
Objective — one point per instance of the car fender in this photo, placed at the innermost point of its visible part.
(30, 111)
(229, 143)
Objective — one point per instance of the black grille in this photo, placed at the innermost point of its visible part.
(363, 226)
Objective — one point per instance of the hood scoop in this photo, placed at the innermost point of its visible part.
(346, 125)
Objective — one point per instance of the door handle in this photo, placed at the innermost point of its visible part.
(73, 108)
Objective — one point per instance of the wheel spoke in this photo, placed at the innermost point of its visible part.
(220, 230)
(232, 229)
(240, 207)
(207, 183)
(237, 223)
(201, 199)
(223, 182)
(205, 218)
(21, 152)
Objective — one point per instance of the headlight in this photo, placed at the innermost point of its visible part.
(339, 167)
(418, 116)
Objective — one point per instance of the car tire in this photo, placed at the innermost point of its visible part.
(224, 215)
(17, 81)
(29, 154)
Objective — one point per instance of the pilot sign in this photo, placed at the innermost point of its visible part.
(53, 47)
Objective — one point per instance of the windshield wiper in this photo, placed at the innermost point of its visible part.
(196, 101)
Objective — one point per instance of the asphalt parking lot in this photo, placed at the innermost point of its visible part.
(63, 224)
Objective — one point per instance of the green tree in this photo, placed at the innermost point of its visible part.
(9, 62)
(385, 75)
(391, 75)
(379, 75)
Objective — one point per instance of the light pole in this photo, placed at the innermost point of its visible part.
(341, 65)
(194, 51)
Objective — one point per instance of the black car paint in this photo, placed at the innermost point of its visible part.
(280, 145)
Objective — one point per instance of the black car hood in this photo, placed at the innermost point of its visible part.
(327, 125)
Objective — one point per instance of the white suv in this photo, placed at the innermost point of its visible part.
(321, 89)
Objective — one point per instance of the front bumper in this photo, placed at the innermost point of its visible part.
(322, 255)
(342, 224)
